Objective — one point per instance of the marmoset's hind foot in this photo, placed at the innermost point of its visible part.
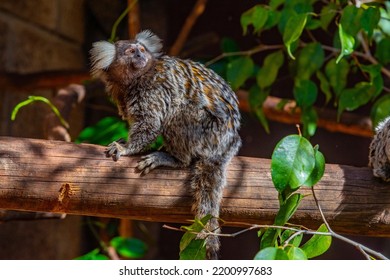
(156, 159)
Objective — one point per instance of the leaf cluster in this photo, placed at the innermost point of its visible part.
(116, 247)
(130, 248)
(325, 47)
(295, 163)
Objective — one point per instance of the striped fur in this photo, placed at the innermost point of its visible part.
(379, 156)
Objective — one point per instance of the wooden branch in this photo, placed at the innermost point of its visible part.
(60, 177)
(133, 18)
(50, 80)
(349, 123)
(198, 9)
(9, 215)
(64, 101)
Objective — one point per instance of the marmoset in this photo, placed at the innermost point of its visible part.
(379, 156)
(192, 107)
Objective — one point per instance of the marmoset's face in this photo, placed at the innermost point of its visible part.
(133, 54)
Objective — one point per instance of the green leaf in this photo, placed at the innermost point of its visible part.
(296, 241)
(269, 71)
(274, 4)
(309, 60)
(239, 70)
(309, 118)
(325, 86)
(107, 130)
(197, 227)
(257, 96)
(129, 247)
(305, 93)
(293, 31)
(220, 66)
(295, 253)
(256, 16)
(287, 209)
(268, 238)
(271, 253)
(353, 98)
(272, 19)
(347, 43)
(351, 20)
(292, 162)
(195, 250)
(317, 244)
(283, 102)
(384, 23)
(376, 80)
(313, 24)
(382, 52)
(318, 171)
(337, 75)
(328, 12)
(370, 19)
(380, 110)
(285, 15)
(93, 255)
(229, 45)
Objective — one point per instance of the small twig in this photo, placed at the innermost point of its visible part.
(367, 252)
(368, 57)
(198, 9)
(112, 254)
(368, 257)
(320, 209)
(299, 129)
(310, 232)
(260, 48)
(364, 44)
(257, 49)
(295, 234)
(347, 240)
(119, 19)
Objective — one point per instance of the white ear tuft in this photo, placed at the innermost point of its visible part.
(151, 41)
(102, 55)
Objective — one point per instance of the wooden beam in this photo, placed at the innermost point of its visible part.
(60, 177)
(350, 123)
(48, 80)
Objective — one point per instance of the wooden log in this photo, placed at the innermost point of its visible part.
(59, 177)
(350, 123)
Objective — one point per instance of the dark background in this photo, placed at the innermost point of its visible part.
(70, 238)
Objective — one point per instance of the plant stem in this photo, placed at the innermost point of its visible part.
(253, 51)
(367, 55)
(118, 21)
(345, 239)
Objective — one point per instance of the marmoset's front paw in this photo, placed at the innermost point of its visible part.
(116, 149)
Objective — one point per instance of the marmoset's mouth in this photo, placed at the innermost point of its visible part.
(139, 63)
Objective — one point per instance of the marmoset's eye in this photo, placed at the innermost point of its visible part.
(129, 50)
(142, 49)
